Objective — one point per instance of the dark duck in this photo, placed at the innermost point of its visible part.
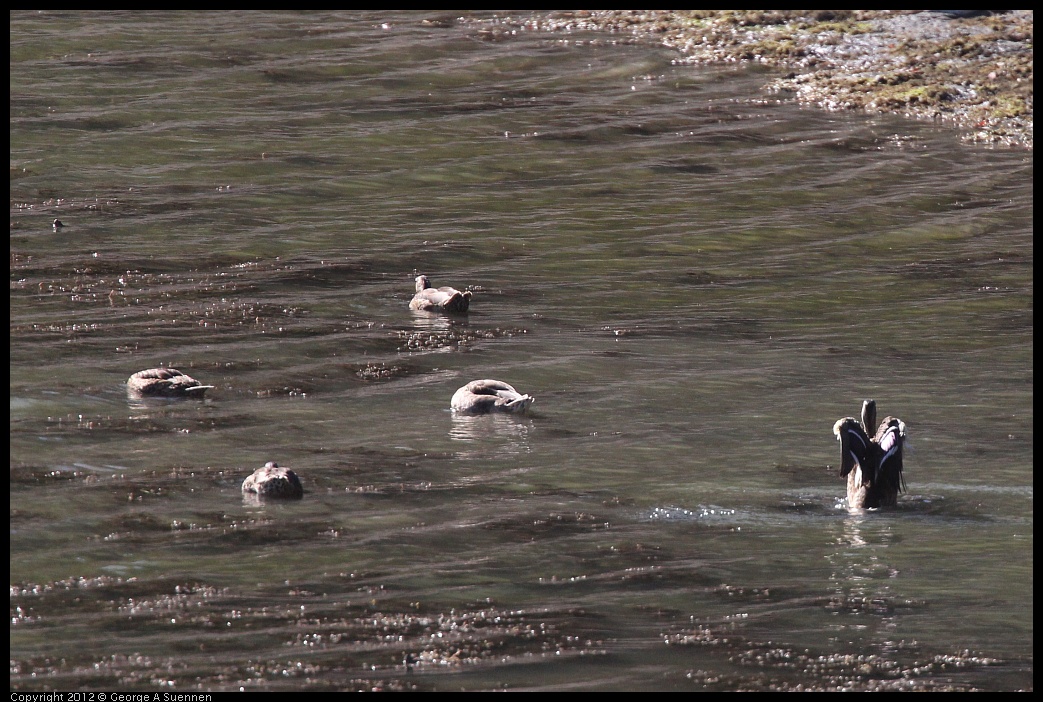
(872, 463)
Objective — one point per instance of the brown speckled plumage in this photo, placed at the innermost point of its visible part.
(164, 382)
(444, 299)
(483, 396)
(273, 482)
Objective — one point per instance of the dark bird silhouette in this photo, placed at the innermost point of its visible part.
(873, 466)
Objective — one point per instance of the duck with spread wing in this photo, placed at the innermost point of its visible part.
(872, 463)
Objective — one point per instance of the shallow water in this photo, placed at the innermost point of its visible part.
(695, 279)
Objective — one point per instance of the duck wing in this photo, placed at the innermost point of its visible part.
(455, 301)
(854, 445)
(507, 397)
(890, 440)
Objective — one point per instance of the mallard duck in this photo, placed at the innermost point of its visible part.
(873, 466)
(444, 299)
(164, 382)
(273, 482)
(482, 396)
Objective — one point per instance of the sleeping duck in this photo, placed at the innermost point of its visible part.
(273, 482)
(483, 396)
(873, 466)
(164, 382)
(444, 299)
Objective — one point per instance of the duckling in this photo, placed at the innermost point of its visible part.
(482, 396)
(873, 466)
(273, 482)
(443, 299)
(164, 382)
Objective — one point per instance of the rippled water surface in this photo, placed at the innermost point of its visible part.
(694, 278)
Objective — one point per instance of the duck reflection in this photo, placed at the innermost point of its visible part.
(862, 582)
(435, 332)
(511, 432)
(158, 407)
(432, 322)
